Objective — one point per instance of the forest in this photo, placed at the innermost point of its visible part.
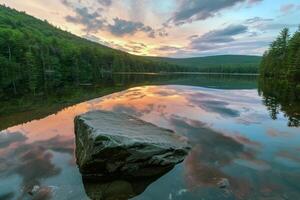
(282, 60)
(280, 76)
(37, 58)
(218, 63)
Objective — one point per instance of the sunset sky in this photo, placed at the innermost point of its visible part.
(174, 28)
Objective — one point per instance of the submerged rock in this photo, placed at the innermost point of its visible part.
(34, 190)
(112, 144)
(223, 183)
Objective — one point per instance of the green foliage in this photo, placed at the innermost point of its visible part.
(218, 64)
(280, 76)
(282, 60)
(281, 95)
(37, 58)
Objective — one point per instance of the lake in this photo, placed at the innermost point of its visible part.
(236, 134)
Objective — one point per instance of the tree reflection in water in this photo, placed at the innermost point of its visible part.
(281, 95)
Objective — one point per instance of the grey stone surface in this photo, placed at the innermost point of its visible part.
(112, 144)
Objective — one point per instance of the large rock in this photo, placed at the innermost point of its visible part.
(118, 145)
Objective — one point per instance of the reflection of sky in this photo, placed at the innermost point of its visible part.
(231, 132)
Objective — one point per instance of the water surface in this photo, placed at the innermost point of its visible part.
(231, 131)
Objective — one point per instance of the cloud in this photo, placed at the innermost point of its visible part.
(71, 3)
(136, 47)
(92, 17)
(167, 48)
(266, 24)
(162, 32)
(131, 46)
(138, 44)
(105, 2)
(193, 10)
(33, 163)
(278, 26)
(192, 37)
(273, 26)
(223, 41)
(211, 39)
(123, 27)
(254, 1)
(8, 138)
(92, 38)
(249, 47)
(92, 21)
(137, 10)
(213, 106)
(286, 8)
(67, 3)
(255, 20)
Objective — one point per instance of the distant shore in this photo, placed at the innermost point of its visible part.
(192, 73)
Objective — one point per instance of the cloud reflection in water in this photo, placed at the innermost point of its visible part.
(230, 130)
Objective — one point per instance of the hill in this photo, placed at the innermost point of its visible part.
(222, 63)
(38, 58)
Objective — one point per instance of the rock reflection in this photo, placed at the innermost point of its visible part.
(232, 134)
(115, 189)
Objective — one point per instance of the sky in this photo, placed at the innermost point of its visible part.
(172, 28)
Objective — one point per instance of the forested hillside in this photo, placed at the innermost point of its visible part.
(280, 76)
(37, 58)
(220, 64)
(282, 60)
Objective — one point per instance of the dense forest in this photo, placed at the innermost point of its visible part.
(37, 58)
(282, 60)
(280, 76)
(218, 64)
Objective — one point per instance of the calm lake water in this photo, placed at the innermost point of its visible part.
(232, 132)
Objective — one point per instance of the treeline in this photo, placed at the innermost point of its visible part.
(218, 64)
(251, 69)
(37, 58)
(282, 60)
(280, 77)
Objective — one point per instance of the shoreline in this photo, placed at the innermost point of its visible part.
(187, 73)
